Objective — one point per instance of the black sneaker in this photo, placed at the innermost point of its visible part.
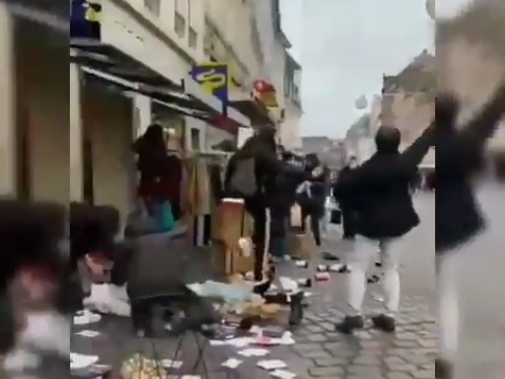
(349, 324)
(444, 369)
(385, 323)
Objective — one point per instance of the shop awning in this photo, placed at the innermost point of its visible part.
(113, 63)
(159, 97)
(46, 12)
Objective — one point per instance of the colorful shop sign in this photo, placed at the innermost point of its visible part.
(214, 78)
(85, 19)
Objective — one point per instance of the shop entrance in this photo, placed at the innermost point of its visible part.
(107, 146)
(41, 113)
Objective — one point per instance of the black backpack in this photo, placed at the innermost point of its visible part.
(243, 179)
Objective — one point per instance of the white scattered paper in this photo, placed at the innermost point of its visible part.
(335, 267)
(288, 284)
(232, 363)
(218, 343)
(241, 342)
(273, 364)
(88, 333)
(19, 360)
(301, 263)
(256, 330)
(253, 352)
(80, 361)
(169, 363)
(86, 317)
(282, 374)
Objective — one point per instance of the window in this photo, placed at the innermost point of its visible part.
(153, 6)
(193, 38)
(180, 18)
(195, 139)
(180, 24)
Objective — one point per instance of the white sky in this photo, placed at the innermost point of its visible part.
(345, 46)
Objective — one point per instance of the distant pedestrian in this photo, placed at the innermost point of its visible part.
(346, 203)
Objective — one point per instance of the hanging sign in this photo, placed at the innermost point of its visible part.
(85, 20)
(214, 79)
(265, 92)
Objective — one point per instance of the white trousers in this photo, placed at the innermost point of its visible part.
(447, 270)
(364, 255)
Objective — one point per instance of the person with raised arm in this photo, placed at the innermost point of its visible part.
(458, 220)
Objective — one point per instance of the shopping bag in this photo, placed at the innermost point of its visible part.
(164, 216)
(336, 217)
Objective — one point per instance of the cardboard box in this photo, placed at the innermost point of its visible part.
(302, 246)
(229, 221)
(229, 260)
(264, 311)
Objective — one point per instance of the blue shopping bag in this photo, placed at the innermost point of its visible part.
(164, 216)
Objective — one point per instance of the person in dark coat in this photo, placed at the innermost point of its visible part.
(283, 198)
(458, 220)
(312, 196)
(346, 204)
(384, 214)
(261, 149)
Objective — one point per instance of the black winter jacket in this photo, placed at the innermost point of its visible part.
(267, 169)
(379, 190)
(459, 154)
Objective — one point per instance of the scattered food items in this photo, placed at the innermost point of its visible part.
(327, 256)
(322, 277)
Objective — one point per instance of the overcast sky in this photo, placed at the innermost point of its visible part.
(345, 46)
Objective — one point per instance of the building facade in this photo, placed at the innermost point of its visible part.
(358, 139)
(232, 37)
(130, 64)
(332, 152)
(407, 100)
(289, 128)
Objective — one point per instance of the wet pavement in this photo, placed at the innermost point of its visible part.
(410, 352)
(322, 353)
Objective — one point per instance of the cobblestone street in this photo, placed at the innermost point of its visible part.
(320, 352)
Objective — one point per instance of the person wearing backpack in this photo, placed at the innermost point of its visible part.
(251, 175)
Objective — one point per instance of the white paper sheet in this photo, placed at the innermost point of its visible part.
(273, 364)
(80, 361)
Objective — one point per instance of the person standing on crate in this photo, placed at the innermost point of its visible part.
(384, 213)
(250, 175)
